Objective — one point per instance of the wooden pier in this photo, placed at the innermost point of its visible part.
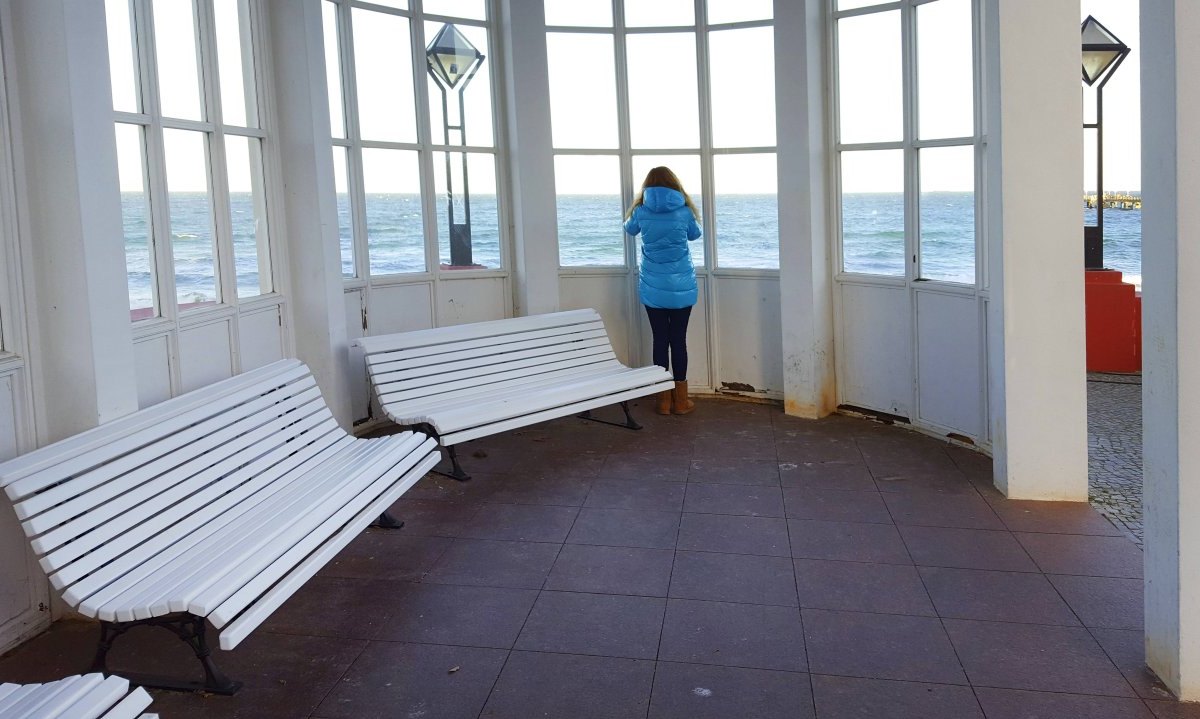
(1114, 201)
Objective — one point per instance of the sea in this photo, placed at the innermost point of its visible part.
(590, 235)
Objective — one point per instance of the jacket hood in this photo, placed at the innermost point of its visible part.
(662, 199)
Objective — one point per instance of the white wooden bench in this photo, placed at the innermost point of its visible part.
(218, 504)
(88, 696)
(467, 381)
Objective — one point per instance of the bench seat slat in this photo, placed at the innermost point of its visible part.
(221, 607)
(546, 415)
(106, 586)
(238, 629)
(131, 707)
(243, 520)
(494, 359)
(146, 535)
(488, 410)
(433, 354)
(313, 525)
(84, 451)
(494, 328)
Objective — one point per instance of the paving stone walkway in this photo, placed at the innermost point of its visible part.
(1115, 449)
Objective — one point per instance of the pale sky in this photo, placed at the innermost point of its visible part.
(583, 97)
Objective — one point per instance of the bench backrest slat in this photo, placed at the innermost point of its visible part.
(476, 330)
(513, 385)
(484, 347)
(408, 391)
(478, 366)
(107, 439)
(172, 458)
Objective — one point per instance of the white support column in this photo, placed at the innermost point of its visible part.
(1033, 115)
(530, 156)
(805, 271)
(81, 341)
(1171, 339)
(301, 104)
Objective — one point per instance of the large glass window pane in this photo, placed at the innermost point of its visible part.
(870, 83)
(945, 78)
(235, 62)
(873, 212)
(383, 73)
(191, 217)
(333, 69)
(248, 215)
(470, 201)
(395, 227)
(475, 94)
(122, 56)
(659, 13)
(747, 211)
(474, 9)
(662, 91)
(345, 224)
(135, 220)
(583, 90)
(720, 11)
(687, 169)
(589, 210)
(178, 67)
(948, 214)
(579, 13)
(743, 91)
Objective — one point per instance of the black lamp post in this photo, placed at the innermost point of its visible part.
(453, 61)
(1103, 53)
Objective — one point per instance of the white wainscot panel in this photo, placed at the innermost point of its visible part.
(153, 358)
(749, 335)
(260, 337)
(608, 295)
(360, 391)
(876, 349)
(477, 299)
(400, 308)
(21, 582)
(205, 354)
(699, 371)
(949, 367)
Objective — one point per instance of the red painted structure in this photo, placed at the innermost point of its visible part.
(1114, 323)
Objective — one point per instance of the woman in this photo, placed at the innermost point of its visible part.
(665, 217)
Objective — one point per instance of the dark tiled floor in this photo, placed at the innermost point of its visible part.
(732, 563)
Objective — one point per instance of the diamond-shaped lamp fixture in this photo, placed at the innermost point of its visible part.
(1102, 51)
(451, 56)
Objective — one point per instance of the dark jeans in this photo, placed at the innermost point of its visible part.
(670, 331)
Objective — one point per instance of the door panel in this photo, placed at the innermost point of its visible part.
(749, 333)
(472, 300)
(400, 308)
(153, 358)
(261, 337)
(874, 348)
(205, 354)
(949, 369)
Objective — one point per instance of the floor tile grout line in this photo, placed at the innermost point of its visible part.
(341, 676)
(945, 630)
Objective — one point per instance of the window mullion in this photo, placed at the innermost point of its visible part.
(912, 228)
(354, 165)
(425, 159)
(704, 96)
(624, 141)
(218, 173)
(156, 169)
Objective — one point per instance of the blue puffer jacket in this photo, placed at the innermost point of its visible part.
(667, 279)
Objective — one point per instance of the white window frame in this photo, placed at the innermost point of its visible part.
(425, 146)
(705, 151)
(911, 145)
(168, 315)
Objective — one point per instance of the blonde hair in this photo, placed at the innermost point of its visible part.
(663, 177)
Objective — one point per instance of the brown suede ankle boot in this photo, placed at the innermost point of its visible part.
(683, 405)
(664, 401)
